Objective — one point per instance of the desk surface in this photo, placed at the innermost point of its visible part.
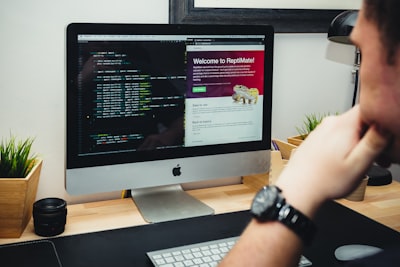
(120, 213)
(337, 225)
(381, 203)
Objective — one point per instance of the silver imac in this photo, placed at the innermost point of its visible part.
(153, 106)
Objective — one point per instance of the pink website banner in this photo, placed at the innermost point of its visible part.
(218, 73)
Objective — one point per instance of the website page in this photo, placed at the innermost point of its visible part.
(225, 83)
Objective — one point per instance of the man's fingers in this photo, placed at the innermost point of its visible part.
(370, 146)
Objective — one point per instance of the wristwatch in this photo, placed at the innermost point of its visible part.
(270, 205)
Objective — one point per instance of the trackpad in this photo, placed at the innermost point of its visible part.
(41, 253)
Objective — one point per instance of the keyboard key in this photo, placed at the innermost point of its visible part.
(188, 263)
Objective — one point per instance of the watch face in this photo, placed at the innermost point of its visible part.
(270, 205)
(264, 201)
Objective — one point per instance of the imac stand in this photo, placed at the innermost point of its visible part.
(167, 203)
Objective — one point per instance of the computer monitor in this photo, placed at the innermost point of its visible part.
(152, 106)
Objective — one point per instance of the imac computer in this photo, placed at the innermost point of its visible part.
(153, 106)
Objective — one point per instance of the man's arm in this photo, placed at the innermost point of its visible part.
(328, 165)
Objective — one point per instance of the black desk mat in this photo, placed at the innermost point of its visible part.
(337, 225)
(36, 253)
(128, 246)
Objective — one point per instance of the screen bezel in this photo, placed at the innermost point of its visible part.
(73, 160)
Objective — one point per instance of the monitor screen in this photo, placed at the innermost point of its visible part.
(154, 105)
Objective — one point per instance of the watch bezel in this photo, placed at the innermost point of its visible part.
(270, 209)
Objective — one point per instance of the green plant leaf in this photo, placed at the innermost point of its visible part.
(15, 158)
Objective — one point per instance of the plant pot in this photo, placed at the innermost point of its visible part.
(17, 196)
(296, 140)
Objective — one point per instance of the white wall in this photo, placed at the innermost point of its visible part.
(310, 74)
(32, 71)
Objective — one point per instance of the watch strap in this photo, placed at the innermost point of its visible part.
(297, 222)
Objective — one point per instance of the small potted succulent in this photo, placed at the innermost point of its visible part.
(19, 178)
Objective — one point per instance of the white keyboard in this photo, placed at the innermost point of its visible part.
(205, 254)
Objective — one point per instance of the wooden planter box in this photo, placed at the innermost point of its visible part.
(295, 140)
(280, 158)
(17, 196)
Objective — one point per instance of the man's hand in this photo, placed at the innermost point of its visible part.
(333, 159)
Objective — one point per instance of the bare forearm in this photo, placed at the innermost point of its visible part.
(265, 244)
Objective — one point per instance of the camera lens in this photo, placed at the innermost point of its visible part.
(49, 216)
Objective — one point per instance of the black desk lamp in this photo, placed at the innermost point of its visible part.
(339, 32)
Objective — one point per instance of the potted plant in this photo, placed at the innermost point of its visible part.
(19, 177)
(309, 124)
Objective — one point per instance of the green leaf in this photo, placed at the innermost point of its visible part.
(15, 158)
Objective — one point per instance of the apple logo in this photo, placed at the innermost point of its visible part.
(176, 171)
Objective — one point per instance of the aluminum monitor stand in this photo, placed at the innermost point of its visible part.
(167, 203)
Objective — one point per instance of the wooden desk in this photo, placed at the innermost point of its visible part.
(381, 204)
(119, 213)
